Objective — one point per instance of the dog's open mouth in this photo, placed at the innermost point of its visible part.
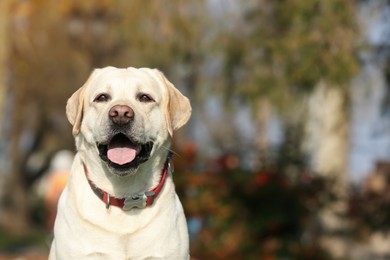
(124, 154)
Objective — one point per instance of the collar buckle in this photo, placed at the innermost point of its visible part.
(137, 200)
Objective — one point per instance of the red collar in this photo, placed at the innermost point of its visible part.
(141, 200)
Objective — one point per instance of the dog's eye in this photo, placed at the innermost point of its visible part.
(102, 98)
(145, 98)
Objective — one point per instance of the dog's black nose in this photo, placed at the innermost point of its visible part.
(121, 115)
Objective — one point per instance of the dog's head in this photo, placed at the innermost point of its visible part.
(125, 115)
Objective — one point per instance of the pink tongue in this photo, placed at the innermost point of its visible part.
(121, 155)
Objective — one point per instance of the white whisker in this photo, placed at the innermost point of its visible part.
(170, 150)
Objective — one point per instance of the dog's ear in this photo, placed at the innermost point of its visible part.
(74, 110)
(75, 105)
(178, 106)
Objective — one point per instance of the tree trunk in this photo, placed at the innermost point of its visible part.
(4, 51)
(4, 7)
(263, 113)
(328, 144)
(13, 199)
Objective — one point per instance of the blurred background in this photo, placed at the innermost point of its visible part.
(287, 153)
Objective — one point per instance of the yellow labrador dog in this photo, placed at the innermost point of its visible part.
(120, 201)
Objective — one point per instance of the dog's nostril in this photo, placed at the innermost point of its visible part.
(113, 113)
(121, 114)
(129, 113)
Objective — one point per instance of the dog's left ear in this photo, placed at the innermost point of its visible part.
(75, 105)
(179, 107)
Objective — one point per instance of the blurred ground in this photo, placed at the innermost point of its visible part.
(29, 255)
(33, 244)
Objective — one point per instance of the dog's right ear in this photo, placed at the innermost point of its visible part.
(74, 110)
(75, 105)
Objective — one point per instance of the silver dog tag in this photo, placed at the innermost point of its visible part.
(137, 201)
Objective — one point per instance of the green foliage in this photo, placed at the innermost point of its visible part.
(290, 45)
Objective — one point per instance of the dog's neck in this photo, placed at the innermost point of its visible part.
(140, 200)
